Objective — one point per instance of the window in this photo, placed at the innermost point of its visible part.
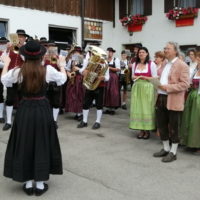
(170, 4)
(186, 3)
(133, 7)
(137, 7)
(62, 36)
(3, 28)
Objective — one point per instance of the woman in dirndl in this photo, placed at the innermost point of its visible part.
(143, 95)
(190, 126)
(33, 150)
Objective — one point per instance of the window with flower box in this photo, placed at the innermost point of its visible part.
(183, 12)
(170, 4)
(133, 7)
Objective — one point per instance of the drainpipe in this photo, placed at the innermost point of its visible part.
(82, 22)
(114, 14)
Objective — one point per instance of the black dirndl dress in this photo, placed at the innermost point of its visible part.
(33, 150)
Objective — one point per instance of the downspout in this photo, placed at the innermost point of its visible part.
(82, 22)
(114, 14)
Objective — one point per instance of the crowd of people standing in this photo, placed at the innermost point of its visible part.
(164, 99)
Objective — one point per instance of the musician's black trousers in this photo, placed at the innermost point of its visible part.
(96, 95)
(123, 82)
(12, 93)
(1, 93)
(54, 96)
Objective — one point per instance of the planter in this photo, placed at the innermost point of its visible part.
(185, 22)
(135, 27)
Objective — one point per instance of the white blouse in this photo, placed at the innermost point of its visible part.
(145, 70)
(116, 61)
(51, 75)
(126, 65)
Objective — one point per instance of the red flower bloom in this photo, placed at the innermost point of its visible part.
(177, 13)
(135, 19)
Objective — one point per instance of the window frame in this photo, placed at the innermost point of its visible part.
(125, 8)
(6, 21)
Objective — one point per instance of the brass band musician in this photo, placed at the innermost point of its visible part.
(75, 91)
(97, 93)
(16, 61)
(3, 51)
(124, 77)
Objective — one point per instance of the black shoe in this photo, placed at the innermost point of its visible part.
(80, 118)
(39, 192)
(82, 125)
(76, 117)
(106, 112)
(161, 153)
(140, 135)
(28, 191)
(61, 112)
(146, 135)
(6, 127)
(56, 125)
(112, 112)
(124, 107)
(96, 125)
(169, 157)
(2, 120)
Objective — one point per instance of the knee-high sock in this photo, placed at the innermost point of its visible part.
(99, 115)
(29, 184)
(55, 114)
(166, 145)
(174, 148)
(40, 185)
(1, 109)
(85, 115)
(9, 110)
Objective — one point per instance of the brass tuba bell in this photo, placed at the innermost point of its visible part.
(96, 67)
(15, 42)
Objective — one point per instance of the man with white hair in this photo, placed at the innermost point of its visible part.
(170, 103)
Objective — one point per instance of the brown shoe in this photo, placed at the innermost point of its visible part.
(169, 157)
(161, 153)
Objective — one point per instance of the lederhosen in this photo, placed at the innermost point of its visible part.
(75, 93)
(122, 79)
(112, 98)
(12, 92)
(53, 90)
(97, 95)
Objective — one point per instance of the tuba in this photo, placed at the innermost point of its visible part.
(96, 67)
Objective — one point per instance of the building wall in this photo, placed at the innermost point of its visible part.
(156, 32)
(36, 22)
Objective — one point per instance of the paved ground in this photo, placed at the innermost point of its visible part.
(111, 164)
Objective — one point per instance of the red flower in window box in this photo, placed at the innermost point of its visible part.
(134, 22)
(183, 16)
(180, 13)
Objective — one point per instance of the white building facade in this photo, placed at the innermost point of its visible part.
(156, 31)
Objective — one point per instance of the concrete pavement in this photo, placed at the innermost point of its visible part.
(111, 164)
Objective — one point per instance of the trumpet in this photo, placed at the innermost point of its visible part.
(53, 60)
(127, 76)
(72, 79)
